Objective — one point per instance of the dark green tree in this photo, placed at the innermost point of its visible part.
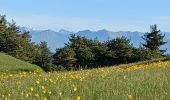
(83, 52)
(122, 48)
(9, 38)
(154, 40)
(89, 53)
(15, 43)
(28, 49)
(3, 27)
(44, 57)
(85, 57)
(100, 52)
(140, 54)
(19, 45)
(66, 58)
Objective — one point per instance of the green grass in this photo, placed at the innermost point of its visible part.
(10, 64)
(132, 82)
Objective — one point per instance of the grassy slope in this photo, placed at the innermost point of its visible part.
(132, 82)
(10, 64)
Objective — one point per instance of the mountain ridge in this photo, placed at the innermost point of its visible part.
(56, 39)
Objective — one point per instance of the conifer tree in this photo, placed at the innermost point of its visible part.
(44, 57)
(154, 40)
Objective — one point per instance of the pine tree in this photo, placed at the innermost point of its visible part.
(9, 38)
(66, 58)
(154, 40)
(122, 48)
(28, 49)
(3, 27)
(43, 57)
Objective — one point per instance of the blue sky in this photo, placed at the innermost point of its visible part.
(75, 15)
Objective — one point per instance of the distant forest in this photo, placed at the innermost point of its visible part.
(79, 52)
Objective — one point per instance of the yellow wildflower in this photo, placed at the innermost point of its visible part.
(60, 94)
(44, 92)
(78, 98)
(42, 87)
(37, 95)
(75, 89)
(37, 82)
(130, 97)
(32, 89)
(49, 93)
(27, 95)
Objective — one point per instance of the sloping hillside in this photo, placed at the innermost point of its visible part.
(148, 81)
(13, 65)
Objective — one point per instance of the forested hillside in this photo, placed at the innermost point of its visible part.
(79, 52)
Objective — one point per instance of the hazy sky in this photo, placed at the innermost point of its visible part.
(74, 15)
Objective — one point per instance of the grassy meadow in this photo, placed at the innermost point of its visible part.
(149, 81)
(11, 65)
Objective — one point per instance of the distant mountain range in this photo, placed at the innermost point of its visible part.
(57, 39)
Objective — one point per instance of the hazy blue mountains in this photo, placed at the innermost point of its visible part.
(57, 39)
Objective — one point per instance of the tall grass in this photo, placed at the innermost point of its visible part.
(135, 82)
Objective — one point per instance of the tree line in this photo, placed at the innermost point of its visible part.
(79, 52)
